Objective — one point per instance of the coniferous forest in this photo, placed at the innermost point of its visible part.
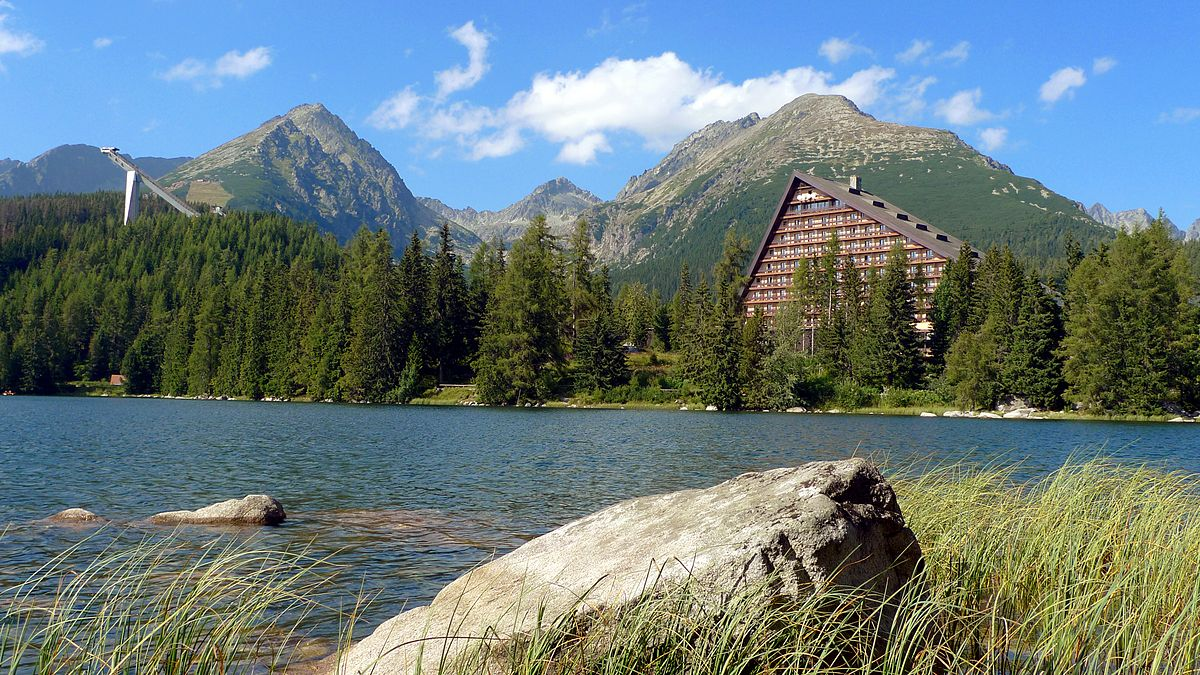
(255, 305)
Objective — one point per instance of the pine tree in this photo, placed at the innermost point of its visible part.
(451, 312)
(756, 348)
(600, 362)
(580, 261)
(952, 303)
(370, 361)
(1033, 370)
(718, 376)
(891, 357)
(1126, 322)
(681, 309)
(522, 351)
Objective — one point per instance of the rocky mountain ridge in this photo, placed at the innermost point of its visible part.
(560, 200)
(1131, 220)
(74, 168)
(309, 165)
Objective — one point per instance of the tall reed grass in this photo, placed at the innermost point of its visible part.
(162, 605)
(1093, 569)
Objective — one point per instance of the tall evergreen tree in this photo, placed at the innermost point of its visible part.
(891, 355)
(1126, 322)
(1033, 370)
(451, 318)
(522, 351)
(952, 303)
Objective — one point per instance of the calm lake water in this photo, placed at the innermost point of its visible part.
(411, 497)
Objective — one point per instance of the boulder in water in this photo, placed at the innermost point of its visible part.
(249, 510)
(75, 515)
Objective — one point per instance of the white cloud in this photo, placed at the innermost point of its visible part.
(956, 54)
(397, 112)
(962, 108)
(102, 42)
(15, 42)
(1103, 64)
(244, 64)
(836, 49)
(1062, 83)
(231, 64)
(187, 69)
(915, 51)
(459, 78)
(583, 150)
(658, 99)
(662, 98)
(1180, 116)
(909, 98)
(993, 138)
(499, 144)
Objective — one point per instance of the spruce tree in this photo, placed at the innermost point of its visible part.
(1126, 323)
(451, 318)
(891, 349)
(522, 351)
(952, 303)
(370, 362)
(1032, 370)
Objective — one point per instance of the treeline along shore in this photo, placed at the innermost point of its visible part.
(254, 305)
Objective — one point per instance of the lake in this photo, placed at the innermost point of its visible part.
(410, 497)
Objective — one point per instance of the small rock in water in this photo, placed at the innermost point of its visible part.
(250, 510)
(989, 415)
(710, 407)
(683, 407)
(74, 515)
(796, 409)
(928, 414)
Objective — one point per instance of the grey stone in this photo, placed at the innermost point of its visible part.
(794, 529)
(75, 515)
(249, 510)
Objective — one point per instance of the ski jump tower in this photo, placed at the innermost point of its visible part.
(134, 177)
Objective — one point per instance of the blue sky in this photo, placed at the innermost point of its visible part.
(476, 103)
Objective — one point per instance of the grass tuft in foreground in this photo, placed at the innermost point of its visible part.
(161, 605)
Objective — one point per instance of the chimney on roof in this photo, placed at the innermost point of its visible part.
(855, 183)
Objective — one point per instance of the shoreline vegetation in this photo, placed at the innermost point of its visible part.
(257, 306)
(1092, 568)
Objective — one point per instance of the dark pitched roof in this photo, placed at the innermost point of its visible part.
(873, 206)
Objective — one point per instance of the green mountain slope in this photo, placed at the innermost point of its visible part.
(308, 165)
(731, 174)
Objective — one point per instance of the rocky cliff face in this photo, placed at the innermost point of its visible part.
(307, 164)
(1193, 231)
(73, 168)
(560, 200)
(1132, 220)
(731, 174)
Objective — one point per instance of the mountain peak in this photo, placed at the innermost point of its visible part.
(308, 164)
(561, 186)
(1130, 220)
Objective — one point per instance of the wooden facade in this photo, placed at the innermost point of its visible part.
(811, 210)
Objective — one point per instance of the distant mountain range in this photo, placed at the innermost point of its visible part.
(1136, 220)
(73, 168)
(308, 164)
(560, 200)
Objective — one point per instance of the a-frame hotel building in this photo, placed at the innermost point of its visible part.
(811, 210)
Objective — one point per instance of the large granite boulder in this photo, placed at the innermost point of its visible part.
(249, 510)
(792, 530)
